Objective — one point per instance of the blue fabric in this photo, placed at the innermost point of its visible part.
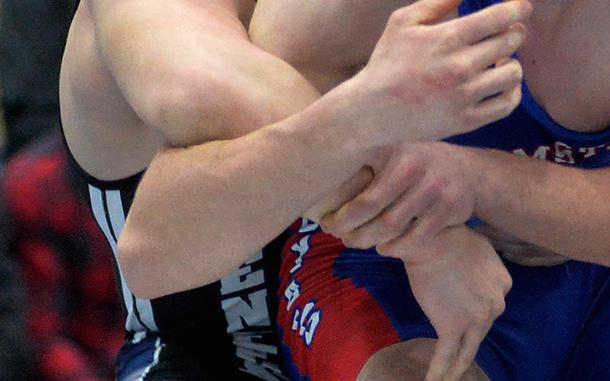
(289, 366)
(590, 360)
(549, 312)
(134, 358)
(531, 131)
(556, 322)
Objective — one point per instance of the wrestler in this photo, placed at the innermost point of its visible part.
(531, 216)
(218, 138)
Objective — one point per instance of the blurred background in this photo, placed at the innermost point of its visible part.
(59, 312)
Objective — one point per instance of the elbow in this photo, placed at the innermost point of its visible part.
(150, 272)
(138, 268)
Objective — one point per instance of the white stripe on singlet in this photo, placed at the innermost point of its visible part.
(117, 220)
(158, 348)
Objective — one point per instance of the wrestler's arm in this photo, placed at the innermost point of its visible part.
(189, 71)
(564, 209)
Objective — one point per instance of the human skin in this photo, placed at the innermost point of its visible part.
(219, 136)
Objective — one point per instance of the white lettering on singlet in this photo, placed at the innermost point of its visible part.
(564, 153)
(251, 351)
(301, 248)
(251, 311)
(542, 153)
(244, 302)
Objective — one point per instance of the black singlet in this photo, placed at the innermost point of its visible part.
(226, 329)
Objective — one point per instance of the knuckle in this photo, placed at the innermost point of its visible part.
(448, 199)
(436, 188)
(416, 32)
(399, 17)
(469, 119)
(445, 77)
(465, 93)
(414, 167)
(481, 316)
(458, 70)
(449, 38)
(498, 307)
(391, 221)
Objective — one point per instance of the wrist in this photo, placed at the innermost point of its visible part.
(334, 122)
(479, 163)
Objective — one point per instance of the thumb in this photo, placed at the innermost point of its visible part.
(432, 11)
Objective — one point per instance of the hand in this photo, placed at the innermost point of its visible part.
(351, 188)
(422, 189)
(460, 283)
(427, 82)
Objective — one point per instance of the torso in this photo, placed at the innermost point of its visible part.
(564, 116)
(565, 112)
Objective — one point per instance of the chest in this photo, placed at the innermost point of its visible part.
(566, 63)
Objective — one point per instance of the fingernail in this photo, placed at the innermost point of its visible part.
(516, 38)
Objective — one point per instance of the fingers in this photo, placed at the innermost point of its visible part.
(495, 108)
(431, 222)
(383, 190)
(503, 78)
(346, 192)
(488, 22)
(444, 354)
(394, 221)
(429, 11)
(469, 347)
(483, 55)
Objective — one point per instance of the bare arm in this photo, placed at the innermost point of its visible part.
(560, 208)
(189, 71)
(192, 200)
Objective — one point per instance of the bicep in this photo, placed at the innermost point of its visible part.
(188, 68)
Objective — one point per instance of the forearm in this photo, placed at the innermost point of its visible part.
(202, 211)
(179, 233)
(564, 209)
